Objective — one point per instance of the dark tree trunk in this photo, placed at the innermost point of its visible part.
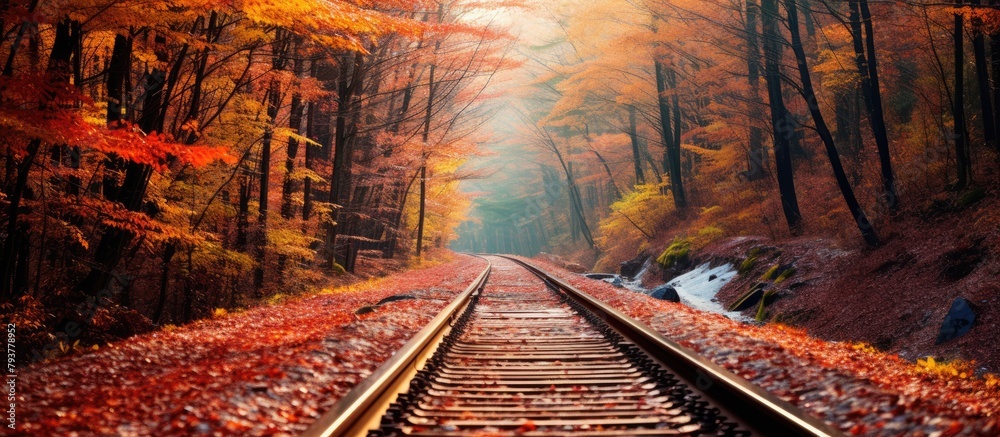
(431, 85)
(118, 69)
(671, 134)
(867, 63)
(983, 79)
(423, 204)
(279, 53)
(15, 228)
(260, 240)
(243, 212)
(781, 121)
(755, 152)
(636, 154)
(348, 83)
(963, 159)
(995, 69)
(161, 301)
(133, 188)
(867, 231)
(295, 124)
(577, 217)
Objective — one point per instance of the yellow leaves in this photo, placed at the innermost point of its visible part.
(947, 369)
(638, 213)
(864, 347)
(291, 242)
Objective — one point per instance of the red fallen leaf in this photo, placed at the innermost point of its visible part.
(527, 426)
(552, 387)
(954, 429)
(467, 415)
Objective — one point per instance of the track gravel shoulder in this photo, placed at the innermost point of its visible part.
(267, 371)
(856, 389)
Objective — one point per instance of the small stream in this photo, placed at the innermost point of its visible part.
(696, 288)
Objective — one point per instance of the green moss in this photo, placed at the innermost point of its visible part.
(785, 275)
(747, 265)
(764, 300)
(338, 269)
(710, 232)
(769, 274)
(676, 253)
(749, 298)
(750, 261)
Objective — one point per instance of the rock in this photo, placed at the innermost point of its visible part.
(958, 322)
(666, 292)
(575, 268)
(750, 298)
(632, 267)
(712, 277)
(395, 298)
(600, 276)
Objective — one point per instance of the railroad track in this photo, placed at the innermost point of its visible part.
(521, 352)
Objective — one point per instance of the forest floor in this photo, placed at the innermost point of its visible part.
(271, 369)
(852, 386)
(893, 297)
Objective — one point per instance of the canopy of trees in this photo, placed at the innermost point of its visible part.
(170, 157)
(654, 118)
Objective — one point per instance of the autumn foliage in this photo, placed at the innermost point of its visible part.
(162, 159)
(653, 119)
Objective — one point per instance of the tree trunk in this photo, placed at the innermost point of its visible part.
(983, 79)
(426, 136)
(161, 301)
(867, 63)
(15, 229)
(636, 155)
(672, 154)
(260, 242)
(348, 82)
(295, 124)
(133, 189)
(423, 203)
(781, 121)
(755, 152)
(962, 158)
(995, 67)
(867, 231)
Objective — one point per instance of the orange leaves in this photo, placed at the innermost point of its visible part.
(23, 118)
(269, 370)
(527, 426)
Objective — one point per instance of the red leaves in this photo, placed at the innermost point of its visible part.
(858, 389)
(265, 371)
(527, 426)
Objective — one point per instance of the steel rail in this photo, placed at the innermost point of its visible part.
(762, 412)
(363, 406)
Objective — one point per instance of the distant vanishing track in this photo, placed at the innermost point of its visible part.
(531, 355)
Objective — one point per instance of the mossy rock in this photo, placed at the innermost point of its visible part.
(750, 298)
(395, 298)
(765, 299)
(787, 273)
(677, 254)
(771, 273)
